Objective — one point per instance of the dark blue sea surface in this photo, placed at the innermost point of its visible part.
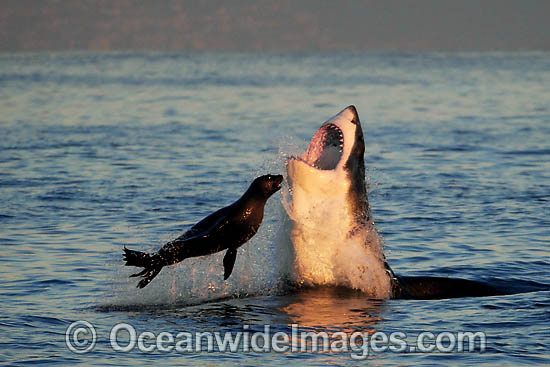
(98, 151)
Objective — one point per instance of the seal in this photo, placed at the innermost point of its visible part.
(226, 229)
(332, 233)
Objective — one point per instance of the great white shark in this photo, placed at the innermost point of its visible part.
(333, 237)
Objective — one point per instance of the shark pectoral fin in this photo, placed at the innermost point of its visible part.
(229, 262)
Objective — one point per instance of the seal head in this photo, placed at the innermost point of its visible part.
(267, 185)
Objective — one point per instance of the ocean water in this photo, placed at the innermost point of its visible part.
(99, 151)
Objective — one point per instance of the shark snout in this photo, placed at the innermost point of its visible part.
(352, 114)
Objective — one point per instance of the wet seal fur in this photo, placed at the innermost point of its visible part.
(228, 228)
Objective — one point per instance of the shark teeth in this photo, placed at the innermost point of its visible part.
(325, 148)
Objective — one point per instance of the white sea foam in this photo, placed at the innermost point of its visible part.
(324, 246)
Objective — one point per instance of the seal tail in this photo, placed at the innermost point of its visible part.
(144, 260)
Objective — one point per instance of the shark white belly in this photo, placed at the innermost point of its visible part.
(334, 241)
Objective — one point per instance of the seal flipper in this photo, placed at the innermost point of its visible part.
(151, 263)
(148, 275)
(229, 262)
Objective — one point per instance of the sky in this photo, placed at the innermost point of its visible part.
(285, 25)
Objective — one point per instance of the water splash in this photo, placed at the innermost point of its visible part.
(199, 280)
(315, 249)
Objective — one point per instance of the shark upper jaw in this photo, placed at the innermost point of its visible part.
(329, 154)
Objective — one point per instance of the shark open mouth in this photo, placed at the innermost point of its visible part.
(325, 149)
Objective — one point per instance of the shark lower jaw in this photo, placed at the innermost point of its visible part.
(313, 180)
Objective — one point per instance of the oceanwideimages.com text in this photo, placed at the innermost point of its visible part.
(81, 337)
